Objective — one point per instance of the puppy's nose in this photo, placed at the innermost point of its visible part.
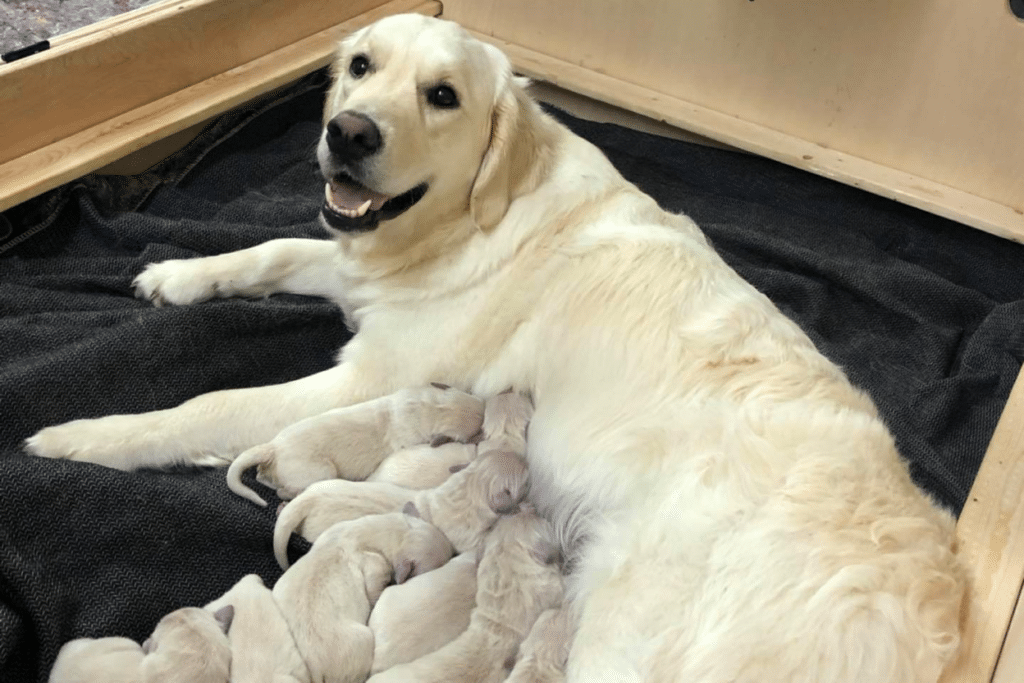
(352, 136)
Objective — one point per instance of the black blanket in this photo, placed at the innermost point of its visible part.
(925, 314)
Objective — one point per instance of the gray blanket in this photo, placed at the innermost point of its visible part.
(925, 314)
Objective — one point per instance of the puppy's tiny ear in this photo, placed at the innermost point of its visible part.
(404, 568)
(438, 385)
(224, 616)
(411, 510)
(440, 440)
(148, 646)
(458, 468)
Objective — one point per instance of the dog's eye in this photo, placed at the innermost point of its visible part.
(359, 66)
(442, 96)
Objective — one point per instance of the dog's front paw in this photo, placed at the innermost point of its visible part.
(176, 283)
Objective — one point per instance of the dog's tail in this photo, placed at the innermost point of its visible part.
(256, 455)
(289, 518)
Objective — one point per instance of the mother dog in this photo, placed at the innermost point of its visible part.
(735, 509)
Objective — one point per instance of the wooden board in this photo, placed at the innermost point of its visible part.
(71, 155)
(990, 534)
(925, 96)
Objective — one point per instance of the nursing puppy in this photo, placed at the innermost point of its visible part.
(542, 656)
(188, 645)
(327, 596)
(263, 649)
(518, 578)
(506, 417)
(424, 613)
(464, 507)
(710, 471)
(350, 443)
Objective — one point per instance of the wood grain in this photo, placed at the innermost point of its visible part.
(925, 194)
(928, 88)
(74, 155)
(136, 58)
(990, 534)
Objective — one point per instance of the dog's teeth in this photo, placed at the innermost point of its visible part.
(327, 193)
(361, 211)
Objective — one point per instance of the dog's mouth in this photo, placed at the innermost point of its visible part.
(350, 206)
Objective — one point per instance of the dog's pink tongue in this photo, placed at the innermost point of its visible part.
(347, 196)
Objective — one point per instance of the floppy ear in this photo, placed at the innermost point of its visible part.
(404, 568)
(511, 151)
(411, 509)
(224, 616)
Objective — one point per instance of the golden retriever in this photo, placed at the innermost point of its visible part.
(733, 508)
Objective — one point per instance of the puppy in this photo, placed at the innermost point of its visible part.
(518, 578)
(542, 656)
(89, 660)
(424, 613)
(463, 508)
(423, 467)
(262, 647)
(327, 596)
(350, 443)
(188, 645)
(506, 417)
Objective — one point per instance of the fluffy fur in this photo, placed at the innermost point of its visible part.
(327, 596)
(506, 417)
(262, 647)
(188, 645)
(735, 510)
(423, 614)
(542, 656)
(518, 578)
(351, 442)
(464, 507)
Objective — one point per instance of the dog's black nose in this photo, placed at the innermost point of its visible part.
(352, 136)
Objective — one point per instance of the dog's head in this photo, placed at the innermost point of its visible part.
(421, 128)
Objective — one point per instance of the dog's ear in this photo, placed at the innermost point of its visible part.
(404, 568)
(511, 151)
(411, 510)
(224, 616)
(509, 478)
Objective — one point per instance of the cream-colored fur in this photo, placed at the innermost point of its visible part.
(327, 596)
(734, 509)
(424, 466)
(423, 614)
(542, 656)
(506, 417)
(262, 647)
(88, 660)
(464, 507)
(517, 579)
(188, 645)
(351, 442)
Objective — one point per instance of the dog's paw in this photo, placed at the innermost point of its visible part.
(176, 283)
(81, 440)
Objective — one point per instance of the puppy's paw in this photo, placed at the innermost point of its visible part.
(177, 283)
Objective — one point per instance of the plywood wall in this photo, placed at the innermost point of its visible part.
(932, 88)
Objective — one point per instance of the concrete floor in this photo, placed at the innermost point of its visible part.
(23, 22)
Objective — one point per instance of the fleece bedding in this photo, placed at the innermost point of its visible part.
(924, 314)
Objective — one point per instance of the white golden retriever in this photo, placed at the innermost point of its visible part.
(735, 510)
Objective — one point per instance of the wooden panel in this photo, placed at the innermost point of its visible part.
(990, 533)
(136, 58)
(82, 152)
(1011, 662)
(796, 151)
(929, 88)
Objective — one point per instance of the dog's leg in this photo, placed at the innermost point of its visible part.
(298, 266)
(210, 429)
